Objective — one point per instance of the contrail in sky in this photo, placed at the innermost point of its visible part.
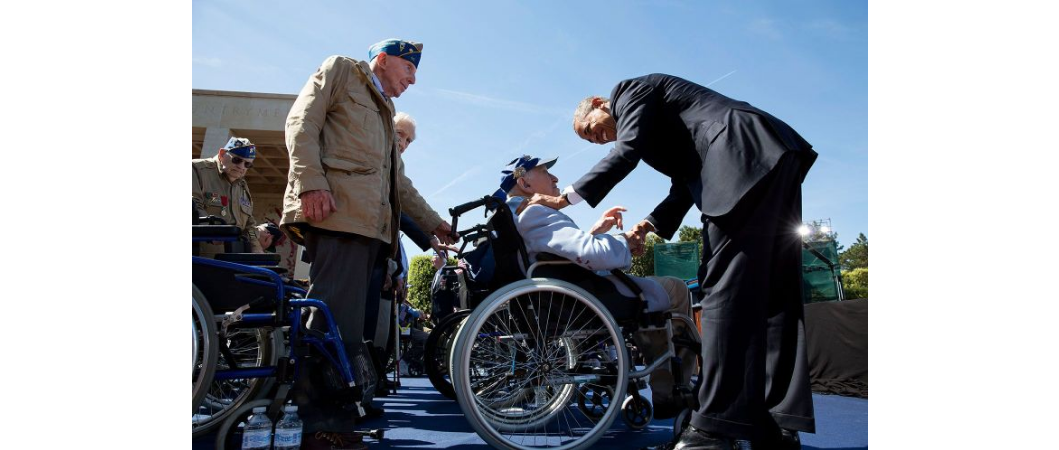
(456, 180)
(719, 79)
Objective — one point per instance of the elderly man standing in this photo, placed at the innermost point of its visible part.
(344, 197)
(218, 188)
(389, 276)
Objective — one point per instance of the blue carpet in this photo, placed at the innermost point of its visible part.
(418, 417)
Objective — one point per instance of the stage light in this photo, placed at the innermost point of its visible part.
(803, 230)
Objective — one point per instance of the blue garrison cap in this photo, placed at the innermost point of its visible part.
(522, 164)
(408, 50)
(241, 147)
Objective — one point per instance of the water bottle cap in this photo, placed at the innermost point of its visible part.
(259, 409)
(290, 408)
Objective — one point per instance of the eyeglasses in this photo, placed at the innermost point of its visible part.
(237, 161)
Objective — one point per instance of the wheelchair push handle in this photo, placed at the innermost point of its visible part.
(459, 210)
(211, 220)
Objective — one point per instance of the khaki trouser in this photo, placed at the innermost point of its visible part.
(653, 343)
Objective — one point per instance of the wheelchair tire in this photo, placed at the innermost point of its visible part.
(636, 416)
(252, 347)
(528, 333)
(436, 352)
(594, 401)
(203, 347)
(681, 422)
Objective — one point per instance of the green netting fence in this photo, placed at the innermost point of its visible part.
(818, 281)
(679, 259)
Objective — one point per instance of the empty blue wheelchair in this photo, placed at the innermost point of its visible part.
(249, 338)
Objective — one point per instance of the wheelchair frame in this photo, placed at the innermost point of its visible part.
(494, 424)
(286, 313)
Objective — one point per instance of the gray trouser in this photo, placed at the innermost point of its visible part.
(339, 276)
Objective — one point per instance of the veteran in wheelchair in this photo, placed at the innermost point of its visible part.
(547, 359)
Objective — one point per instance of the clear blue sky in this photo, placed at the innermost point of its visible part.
(501, 78)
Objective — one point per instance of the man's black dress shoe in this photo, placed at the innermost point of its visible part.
(786, 440)
(695, 439)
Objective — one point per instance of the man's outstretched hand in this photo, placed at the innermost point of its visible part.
(637, 237)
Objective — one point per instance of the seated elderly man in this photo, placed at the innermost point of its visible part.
(219, 188)
(548, 230)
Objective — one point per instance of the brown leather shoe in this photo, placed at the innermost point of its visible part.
(324, 440)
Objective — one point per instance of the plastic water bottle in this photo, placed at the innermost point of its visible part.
(289, 430)
(258, 432)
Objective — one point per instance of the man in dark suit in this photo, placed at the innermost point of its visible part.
(743, 169)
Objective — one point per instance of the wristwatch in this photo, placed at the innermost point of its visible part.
(564, 198)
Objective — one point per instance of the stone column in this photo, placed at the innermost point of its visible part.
(215, 139)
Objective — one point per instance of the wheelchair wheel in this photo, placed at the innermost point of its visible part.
(203, 347)
(593, 401)
(524, 355)
(637, 412)
(681, 422)
(437, 349)
(252, 347)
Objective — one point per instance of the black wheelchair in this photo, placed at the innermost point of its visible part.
(542, 357)
(249, 339)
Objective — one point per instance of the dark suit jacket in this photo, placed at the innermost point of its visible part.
(410, 229)
(690, 133)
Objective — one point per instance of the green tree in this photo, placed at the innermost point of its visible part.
(856, 257)
(688, 233)
(855, 283)
(420, 274)
(644, 265)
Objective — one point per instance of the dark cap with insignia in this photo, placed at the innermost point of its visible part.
(241, 147)
(408, 50)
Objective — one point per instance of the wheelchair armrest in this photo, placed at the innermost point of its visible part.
(551, 257)
(627, 282)
(217, 231)
(252, 259)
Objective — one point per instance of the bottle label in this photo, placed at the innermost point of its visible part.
(288, 437)
(256, 439)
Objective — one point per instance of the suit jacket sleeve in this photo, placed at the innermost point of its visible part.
(546, 230)
(667, 215)
(410, 229)
(633, 104)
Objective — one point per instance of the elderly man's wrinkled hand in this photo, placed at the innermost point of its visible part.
(609, 220)
(264, 238)
(402, 288)
(445, 234)
(317, 205)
